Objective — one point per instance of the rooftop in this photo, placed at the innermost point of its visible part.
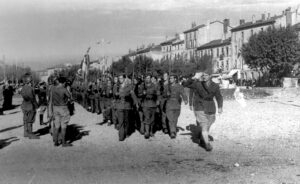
(194, 28)
(168, 42)
(215, 43)
(258, 23)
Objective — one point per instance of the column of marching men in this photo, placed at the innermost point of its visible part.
(145, 103)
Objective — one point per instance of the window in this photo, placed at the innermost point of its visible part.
(223, 51)
(218, 52)
(251, 32)
(227, 65)
(227, 51)
(211, 52)
(262, 29)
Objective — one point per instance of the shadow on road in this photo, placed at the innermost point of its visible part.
(8, 141)
(75, 132)
(195, 133)
(42, 131)
(10, 128)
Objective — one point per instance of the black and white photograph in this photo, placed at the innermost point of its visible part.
(149, 92)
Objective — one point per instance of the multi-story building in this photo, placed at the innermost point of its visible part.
(174, 49)
(242, 33)
(166, 48)
(220, 53)
(204, 33)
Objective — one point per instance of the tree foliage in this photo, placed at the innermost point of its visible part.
(275, 51)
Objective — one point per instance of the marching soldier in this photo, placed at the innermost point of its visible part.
(97, 92)
(173, 104)
(29, 106)
(126, 100)
(164, 91)
(106, 99)
(149, 104)
(114, 102)
(139, 116)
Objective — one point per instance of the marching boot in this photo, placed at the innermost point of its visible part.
(151, 130)
(25, 130)
(55, 136)
(64, 141)
(41, 119)
(30, 134)
(147, 131)
(142, 130)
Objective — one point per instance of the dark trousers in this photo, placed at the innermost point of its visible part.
(114, 116)
(106, 109)
(123, 121)
(97, 105)
(172, 116)
(149, 113)
(163, 114)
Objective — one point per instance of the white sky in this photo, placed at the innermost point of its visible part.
(51, 31)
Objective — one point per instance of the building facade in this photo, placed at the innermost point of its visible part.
(241, 34)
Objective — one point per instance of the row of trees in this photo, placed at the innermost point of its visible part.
(16, 73)
(274, 52)
(142, 64)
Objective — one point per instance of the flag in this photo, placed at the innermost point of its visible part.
(85, 63)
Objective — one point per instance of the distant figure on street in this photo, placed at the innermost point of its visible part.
(42, 99)
(29, 106)
(8, 93)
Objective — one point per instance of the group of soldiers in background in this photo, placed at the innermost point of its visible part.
(146, 103)
(55, 98)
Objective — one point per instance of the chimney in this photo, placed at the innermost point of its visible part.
(253, 19)
(288, 16)
(226, 23)
(263, 17)
(193, 24)
(242, 21)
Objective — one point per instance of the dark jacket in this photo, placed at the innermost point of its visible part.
(175, 95)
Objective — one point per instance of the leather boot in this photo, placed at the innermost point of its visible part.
(31, 135)
(41, 119)
(64, 141)
(25, 130)
(147, 131)
(151, 130)
(55, 136)
(142, 130)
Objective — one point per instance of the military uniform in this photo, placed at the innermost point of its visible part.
(173, 106)
(125, 101)
(149, 104)
(164, 96)
(29, 106)
(113, 104)
(97, 92)
(138, 91)
(106, 95)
